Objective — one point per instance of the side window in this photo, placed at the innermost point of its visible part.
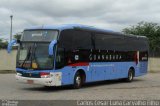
(108, 42)
(101, 41)
(73, 39)
(65, 39)
(82, 40)
(60, 58)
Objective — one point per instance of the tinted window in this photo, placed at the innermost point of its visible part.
(107, 42)
(60, 58)
(71, 39)
(120, 43)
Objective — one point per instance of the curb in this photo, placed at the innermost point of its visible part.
(7, 71)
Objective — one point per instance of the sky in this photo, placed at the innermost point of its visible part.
(107, 14)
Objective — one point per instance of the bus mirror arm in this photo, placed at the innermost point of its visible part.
(51, 46)
(10, 44)
(18, 41)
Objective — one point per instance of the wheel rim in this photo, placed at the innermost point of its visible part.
(130, 76)
(78, 80)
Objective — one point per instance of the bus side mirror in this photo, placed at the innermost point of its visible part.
(10, 44)
(51, 46)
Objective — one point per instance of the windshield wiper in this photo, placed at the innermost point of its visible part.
(33, 53)
(27, 57)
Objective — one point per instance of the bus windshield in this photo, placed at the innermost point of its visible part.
(33, 50)
(34, 53)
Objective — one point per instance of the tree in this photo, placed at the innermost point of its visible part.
(151, 31)
(3, 44)
(18, 36)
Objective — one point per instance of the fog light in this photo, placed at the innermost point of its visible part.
(19, 74)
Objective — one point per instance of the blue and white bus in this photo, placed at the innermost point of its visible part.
(78, 54)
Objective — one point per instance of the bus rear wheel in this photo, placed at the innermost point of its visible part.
(77, 81)
(130, 75)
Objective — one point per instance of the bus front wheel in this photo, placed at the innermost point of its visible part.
(77, 81)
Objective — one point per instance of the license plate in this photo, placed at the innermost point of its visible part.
(30, 81)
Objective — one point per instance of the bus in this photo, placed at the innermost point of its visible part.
(78, 54)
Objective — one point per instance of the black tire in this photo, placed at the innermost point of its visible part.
(77, 81)
(130, 75)
(48, 87)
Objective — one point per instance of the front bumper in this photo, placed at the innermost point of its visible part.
(38, 81)
(52, 81)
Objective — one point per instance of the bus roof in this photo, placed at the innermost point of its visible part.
(80, 27)
(66, 26)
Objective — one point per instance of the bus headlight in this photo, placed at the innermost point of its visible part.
(44, 75)
(58, 77)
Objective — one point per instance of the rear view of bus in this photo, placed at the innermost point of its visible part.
(78, 54)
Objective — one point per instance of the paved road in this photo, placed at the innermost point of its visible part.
(146, 87)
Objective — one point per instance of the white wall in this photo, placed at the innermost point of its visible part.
(154, 64)
(7, 61)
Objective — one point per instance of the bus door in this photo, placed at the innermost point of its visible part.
(140, 65)
(143, 62)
